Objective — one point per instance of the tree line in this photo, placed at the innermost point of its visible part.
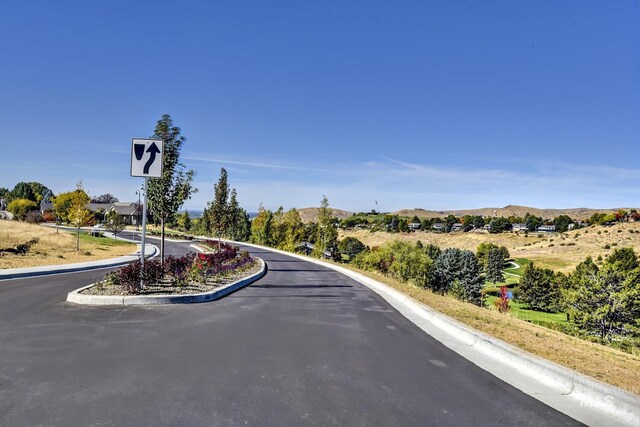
(396, 224)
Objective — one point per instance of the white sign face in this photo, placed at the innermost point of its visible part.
(146, 157)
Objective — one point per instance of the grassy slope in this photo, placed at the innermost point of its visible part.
(55, 248)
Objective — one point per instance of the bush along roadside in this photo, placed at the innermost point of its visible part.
(196, 272)
(599, 304)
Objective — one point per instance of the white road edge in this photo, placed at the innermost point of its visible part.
(581, 397)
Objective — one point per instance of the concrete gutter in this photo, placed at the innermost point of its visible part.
(577, 395)
(79, 298)
(13, 273)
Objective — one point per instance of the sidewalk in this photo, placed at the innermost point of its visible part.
(14, 273)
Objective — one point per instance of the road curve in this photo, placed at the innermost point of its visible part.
(302, 346)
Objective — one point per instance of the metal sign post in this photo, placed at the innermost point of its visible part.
(143, 239)
(146, 162)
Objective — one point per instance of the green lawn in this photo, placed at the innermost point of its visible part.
(522, 262)
(106, 241)
(538, 317)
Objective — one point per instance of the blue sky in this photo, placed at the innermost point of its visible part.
(432, 104)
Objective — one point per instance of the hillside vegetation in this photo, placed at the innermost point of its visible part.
(560, 252)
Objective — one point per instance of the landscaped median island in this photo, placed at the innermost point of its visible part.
(190, 278)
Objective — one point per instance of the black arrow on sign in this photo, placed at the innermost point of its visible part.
(153, 149)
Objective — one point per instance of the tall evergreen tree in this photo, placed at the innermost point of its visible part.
(219, 207)
(167, 194)
(238, 226)
(539, 290)
(233, 215)
(459, 272)
(606, 301)
(495, 264)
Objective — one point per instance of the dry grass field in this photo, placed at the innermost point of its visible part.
(560, 252)
(54, 248)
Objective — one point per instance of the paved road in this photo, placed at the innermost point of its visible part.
(302, 346)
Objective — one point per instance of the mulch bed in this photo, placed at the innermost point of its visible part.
(168, 288)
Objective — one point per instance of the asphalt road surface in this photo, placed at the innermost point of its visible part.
(303, 346)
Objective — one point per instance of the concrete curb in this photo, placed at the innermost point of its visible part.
(78, 298)
(16, 273)
(577, 395)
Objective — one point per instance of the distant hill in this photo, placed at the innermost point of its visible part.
(311, 214)
(507, 211)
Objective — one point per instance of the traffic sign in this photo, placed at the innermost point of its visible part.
(146, 157)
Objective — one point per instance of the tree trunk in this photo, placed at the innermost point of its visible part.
(78, 239)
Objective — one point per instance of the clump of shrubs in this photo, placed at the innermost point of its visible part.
(180, 270)
(132, 276)
(23, 248)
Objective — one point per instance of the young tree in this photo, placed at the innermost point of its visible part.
(278, 229)
(242, 230)
(294, 229)
(261, 227)
(115, 223)
(234, 215)
(218, 209)
(168, 193)
(184, 221)
(327, 239)
(78, 215)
